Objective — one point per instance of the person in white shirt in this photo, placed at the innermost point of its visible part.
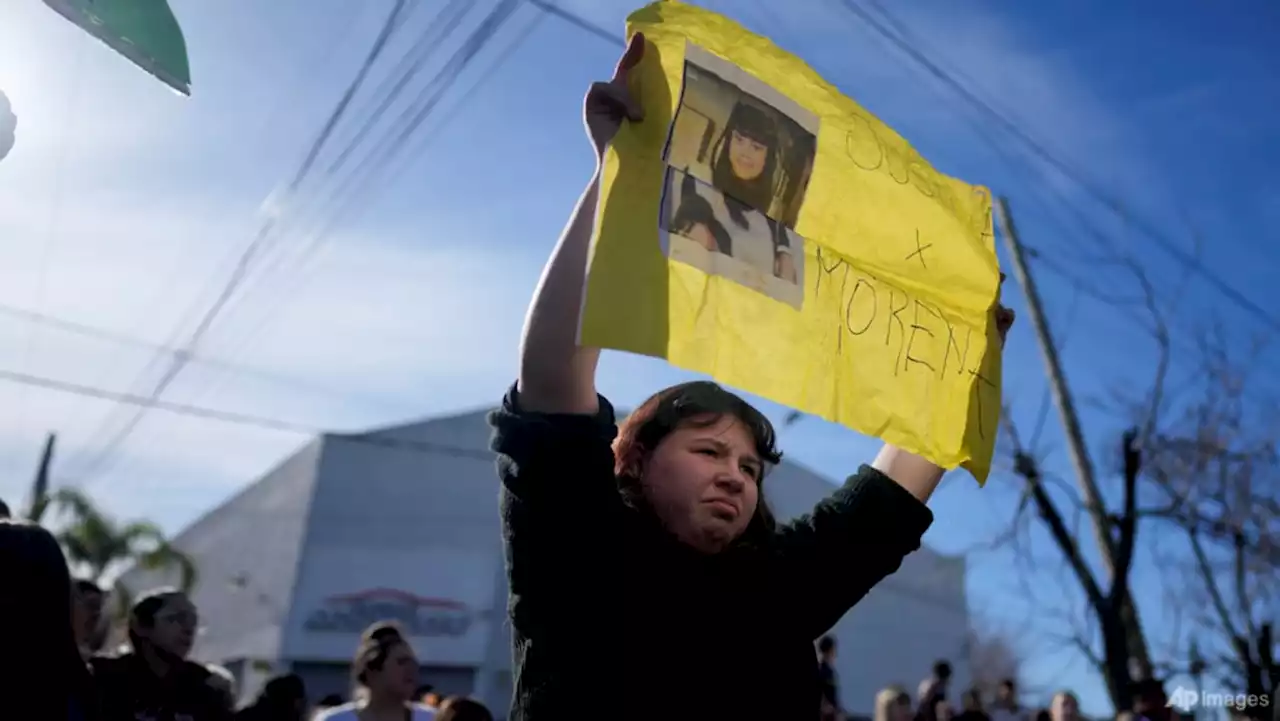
(385, 670)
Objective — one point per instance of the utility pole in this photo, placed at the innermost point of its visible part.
(1058, 386)
(1127, 612)
(40, 486)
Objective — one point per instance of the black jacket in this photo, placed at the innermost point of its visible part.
(612, 618)
(129, 691)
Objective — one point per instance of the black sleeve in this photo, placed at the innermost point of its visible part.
(829, 559)
(111, 688)
(559, 500)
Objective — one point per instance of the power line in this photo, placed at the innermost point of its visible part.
(232, 417)
(312, 237)
(1162, 241)
(391, 148)
(305, 64)
(52, 225)
(577, 21)
(261, 239)
(479, 38)
(425, 140)
(417, 113)
(85, 330)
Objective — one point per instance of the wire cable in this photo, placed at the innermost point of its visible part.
(245, 262)
(1146, 227)
(470, 48)
(426, 140)
(383, 169)
(241, 419)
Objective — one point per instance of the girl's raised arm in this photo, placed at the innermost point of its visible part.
(556, 374)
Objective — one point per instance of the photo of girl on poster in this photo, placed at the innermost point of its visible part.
(739, 159)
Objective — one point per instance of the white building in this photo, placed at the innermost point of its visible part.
(402, 523)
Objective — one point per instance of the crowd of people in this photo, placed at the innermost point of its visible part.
(51, 626)
(935, 701)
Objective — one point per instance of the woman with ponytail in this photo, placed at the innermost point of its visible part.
(385, 675)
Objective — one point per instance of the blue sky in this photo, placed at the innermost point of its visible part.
(122, 206)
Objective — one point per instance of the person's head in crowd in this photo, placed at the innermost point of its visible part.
(1043, 715)
(422, 691)
(224, 683)
(1007, 693)
(458, 708)
(971, 700)
(284, 698)
(1150, 700)
(695, 456)
(827, 649)
(893, 704)
(1124, 716)
(42, 674)
(1065, 707)
(385, 669)
(86, 613)
(942, 710)
(942, 670)
(162, 627)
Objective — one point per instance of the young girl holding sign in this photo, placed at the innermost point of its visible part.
(648, 578)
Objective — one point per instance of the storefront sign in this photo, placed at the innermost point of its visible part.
(352, 613)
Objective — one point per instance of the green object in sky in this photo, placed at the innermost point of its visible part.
(144, 31)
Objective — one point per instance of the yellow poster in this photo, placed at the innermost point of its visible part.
(762, 228)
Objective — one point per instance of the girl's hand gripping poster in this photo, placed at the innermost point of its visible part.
(762, 228)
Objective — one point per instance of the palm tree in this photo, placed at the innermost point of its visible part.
(99, 544)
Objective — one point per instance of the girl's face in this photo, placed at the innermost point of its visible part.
(747, 156)
(703, 482)
(901, 711)
(175, 625)
(398, 677)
